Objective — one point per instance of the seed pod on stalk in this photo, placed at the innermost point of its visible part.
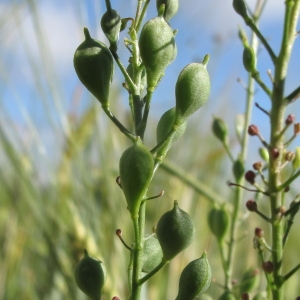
(157, 48)
(94, 66)
(175, 231)
(171, 8)
(195, 279)
(90, 276)
(192, 90)
(136, 169)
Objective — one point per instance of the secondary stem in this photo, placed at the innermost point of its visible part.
(277, 117)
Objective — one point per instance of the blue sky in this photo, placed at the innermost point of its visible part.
(203, 27)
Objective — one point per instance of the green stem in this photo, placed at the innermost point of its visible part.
(137, 259)
(142, 127)
(238, 192)
(277, 117)
(252, 24)
(154, 271)
(118, 123)
(108, 5)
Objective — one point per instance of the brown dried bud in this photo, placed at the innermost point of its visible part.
(115, 298)
(258, 232)
(245, 296)
(296, 128)
(274, 153)
(290, 119)
(250, 177)
(268, 266)
(258, 166)
(119, 232)
(251, 205)
(289, 156)
(253, 130)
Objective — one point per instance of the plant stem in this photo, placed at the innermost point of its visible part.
(243, 154)
(277, 141)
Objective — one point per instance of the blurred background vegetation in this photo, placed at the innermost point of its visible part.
(59, 161)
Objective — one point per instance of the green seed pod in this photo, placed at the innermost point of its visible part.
(227, 296)
(238, 169)
(164, 126)
(175, 231)
(194, 279)
(249, 59)
(94, 66)
(171, 8)
(90, 276)
(152, 254)
(136, 169)
(249, 281)
(240, 7)
(218, 221)
(220, 130)
(192, 90)
(111, 25)
(296, 161)
(264, 154)
(157, 49)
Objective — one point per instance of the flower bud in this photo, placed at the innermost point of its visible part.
(240, 7)
(268, 266)
(290, 119)
(111, 24)
(258, 232)
(250, 176)
(257, 166)
(251, 205)
(253, 130)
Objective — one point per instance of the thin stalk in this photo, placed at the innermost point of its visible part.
(118, 123)
(239, 192)
(137, 259)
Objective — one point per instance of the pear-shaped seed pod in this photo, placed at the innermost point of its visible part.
(171, 8)
(152, 254)
(192, 90)
(220, 130)
(157, 49)
(194, 279)
(249, 59)
(90, 276)
(175, 231)
(111, 24)
(218, 221)
(94, 66)
(250, 280)
(164, 126)
(136, 170)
